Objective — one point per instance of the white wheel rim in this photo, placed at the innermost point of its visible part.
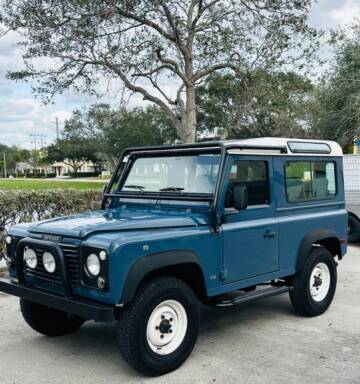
(166, 328)
(320, 282)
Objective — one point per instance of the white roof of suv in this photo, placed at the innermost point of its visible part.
(296, 147)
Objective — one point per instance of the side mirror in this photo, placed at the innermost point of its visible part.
(240, 197)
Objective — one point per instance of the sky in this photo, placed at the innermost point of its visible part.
(22, 115)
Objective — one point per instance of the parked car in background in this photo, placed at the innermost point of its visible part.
(221, 223)
(352, 195)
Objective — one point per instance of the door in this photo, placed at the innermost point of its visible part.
(250, 236)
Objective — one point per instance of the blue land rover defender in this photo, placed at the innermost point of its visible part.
(218, 223)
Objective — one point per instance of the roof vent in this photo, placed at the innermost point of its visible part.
(309, 147)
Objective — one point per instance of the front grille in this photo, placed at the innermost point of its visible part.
(71, 254)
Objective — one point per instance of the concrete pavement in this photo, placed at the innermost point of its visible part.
(260, 342)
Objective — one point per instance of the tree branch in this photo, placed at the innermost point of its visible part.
(216, 67)
(147, 22)
(138, 89)
(174, 64)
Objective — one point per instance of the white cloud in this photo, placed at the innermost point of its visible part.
(347, 13)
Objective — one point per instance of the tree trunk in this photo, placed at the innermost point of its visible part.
(189, 123)
(75, 170)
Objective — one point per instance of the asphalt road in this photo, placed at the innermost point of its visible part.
(261, 342)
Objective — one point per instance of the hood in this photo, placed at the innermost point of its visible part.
(82, 225)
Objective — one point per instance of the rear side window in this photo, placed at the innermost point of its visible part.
(310, 180)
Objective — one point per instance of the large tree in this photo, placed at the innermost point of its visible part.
(337, 113)
(161, 49)
(12, 156)
(260, 104)
(74, 152)
(73, 149)
(114, 130)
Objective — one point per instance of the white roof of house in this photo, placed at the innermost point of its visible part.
(296, 147)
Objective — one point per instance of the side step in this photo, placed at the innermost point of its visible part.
(244, 297)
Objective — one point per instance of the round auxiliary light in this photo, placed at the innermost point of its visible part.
(102, 255)
(8, 240)
(93, 264)
(49, 263)
(30, 257)
(101, 283)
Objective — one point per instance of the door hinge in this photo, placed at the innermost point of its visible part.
(223, 274)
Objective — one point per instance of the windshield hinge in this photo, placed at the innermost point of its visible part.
(223, 274)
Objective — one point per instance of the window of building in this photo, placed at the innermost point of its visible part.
(254, 175)
(310, 180)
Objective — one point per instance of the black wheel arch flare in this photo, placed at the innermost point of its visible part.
(154, 262)
(325, 237)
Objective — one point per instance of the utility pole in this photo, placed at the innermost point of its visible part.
(5, 173)
(42, 142)
(41, 138)
(57, 130)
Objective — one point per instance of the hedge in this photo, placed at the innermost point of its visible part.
(83, 174)
(29, 206)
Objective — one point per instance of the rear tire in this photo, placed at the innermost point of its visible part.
(157, 331)
(48, 321)
(313, 288)
(353, 229)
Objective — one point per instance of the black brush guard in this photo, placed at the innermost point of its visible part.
(84, 308)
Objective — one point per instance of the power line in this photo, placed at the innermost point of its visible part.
(38, 139)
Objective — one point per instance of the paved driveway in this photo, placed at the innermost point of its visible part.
(260, 342)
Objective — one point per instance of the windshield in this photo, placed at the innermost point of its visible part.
(181, 174)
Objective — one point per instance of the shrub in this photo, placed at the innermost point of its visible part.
(83, 174)
(28, 206)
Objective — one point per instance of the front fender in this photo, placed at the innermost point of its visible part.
(153, 262)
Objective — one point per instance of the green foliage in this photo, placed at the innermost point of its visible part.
(114, 130)
(337, 114)
(13, 154)
(28, 206)
(73, 151)
(260, 104)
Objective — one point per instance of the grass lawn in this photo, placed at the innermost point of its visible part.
(49, 184)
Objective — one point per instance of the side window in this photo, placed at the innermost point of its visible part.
(310, 180)
(254, 174)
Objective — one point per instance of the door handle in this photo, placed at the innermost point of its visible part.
(269, 234)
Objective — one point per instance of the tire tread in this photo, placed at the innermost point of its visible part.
(299, 296)
(127, 329)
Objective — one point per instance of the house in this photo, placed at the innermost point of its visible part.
(57, 169)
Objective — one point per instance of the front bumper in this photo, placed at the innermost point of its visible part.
(83, 308)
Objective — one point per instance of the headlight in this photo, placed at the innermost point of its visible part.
(48, 260)
(30, 257)
(8, 240)
(93, 264)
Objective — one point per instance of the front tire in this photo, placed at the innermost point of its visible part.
(313, 288)
(48, 321)
(158, 329)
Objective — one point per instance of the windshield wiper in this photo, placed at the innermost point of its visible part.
(139, 187)
(171, 189)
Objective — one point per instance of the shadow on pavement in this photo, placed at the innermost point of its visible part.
(97, 342)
